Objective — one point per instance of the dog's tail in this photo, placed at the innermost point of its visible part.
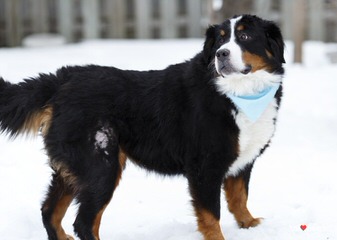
(24, 106)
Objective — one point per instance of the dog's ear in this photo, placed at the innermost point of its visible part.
(209, 42)
(275, 40)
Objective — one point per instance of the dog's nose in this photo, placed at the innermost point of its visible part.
(222, 54)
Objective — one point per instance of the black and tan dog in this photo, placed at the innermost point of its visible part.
(186, 119)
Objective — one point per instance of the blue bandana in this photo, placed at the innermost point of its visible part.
(254, 105)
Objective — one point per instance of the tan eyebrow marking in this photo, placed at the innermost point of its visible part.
(222, 33)
(240, 27)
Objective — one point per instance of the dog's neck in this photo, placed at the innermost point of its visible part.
(253, 105)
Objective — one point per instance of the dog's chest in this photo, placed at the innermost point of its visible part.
(253, 137)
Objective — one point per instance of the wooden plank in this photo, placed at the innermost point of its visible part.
(116, 15)
(65, 19)
(14, 30)
(262, 8)
(39, 16)
(168, 14)
(91, 16)
(143, 27)
(299, 19)
(293, 25)
(2, 22)
(316, 20)
(194, 18)
(287, 19)
(211, 12)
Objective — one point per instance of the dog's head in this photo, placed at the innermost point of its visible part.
(244, 46)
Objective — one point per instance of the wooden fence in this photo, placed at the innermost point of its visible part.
(77, 19)
(319, 16)
(83, 19)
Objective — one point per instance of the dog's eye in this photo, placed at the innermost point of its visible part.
(244, 36)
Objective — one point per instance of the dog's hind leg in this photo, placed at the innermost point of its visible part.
(60, 196)
(99, 182)
(95, 197)
(236, 189)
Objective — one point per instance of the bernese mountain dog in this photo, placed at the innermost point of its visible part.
(207, 119)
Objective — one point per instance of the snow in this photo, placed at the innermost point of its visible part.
(43, 40)
(293, 183)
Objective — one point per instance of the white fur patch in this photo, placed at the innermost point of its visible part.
(239, 84)
(253, 137)
(102, 138)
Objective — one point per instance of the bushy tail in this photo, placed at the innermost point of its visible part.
(24, 106)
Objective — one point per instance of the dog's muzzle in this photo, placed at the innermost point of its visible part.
(224, 64)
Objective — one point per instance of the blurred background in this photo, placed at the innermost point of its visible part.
(76, 20)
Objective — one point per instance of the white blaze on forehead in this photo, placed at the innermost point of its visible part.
(235, 50)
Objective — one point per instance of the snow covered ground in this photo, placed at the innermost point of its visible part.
(293, 183)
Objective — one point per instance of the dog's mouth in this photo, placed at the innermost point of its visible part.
(226, 69)
(247, 69)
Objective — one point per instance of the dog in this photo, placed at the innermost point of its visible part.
(207, 119)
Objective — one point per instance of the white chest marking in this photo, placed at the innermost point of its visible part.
(253, 137)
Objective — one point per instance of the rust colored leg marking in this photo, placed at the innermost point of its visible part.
(58, 215)
(236, 195)
(97, 223)
(208, 225)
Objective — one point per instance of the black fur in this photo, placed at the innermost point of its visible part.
(171, 121)
(17, 102)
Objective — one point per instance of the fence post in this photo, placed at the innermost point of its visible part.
(299, 17)
(65, 19)
(116, 18)
(142, 18)
(262, 8)
(316, 20)
(13, 23)
(39, 16)
(194, 18)
(210, 12)
(294, 16)
(91, 13)
(287, 19)
(168, 14)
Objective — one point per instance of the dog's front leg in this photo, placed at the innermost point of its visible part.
(205, 191)
(236, 191)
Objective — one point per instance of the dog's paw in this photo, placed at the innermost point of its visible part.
(70, 237)
(253, 222)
